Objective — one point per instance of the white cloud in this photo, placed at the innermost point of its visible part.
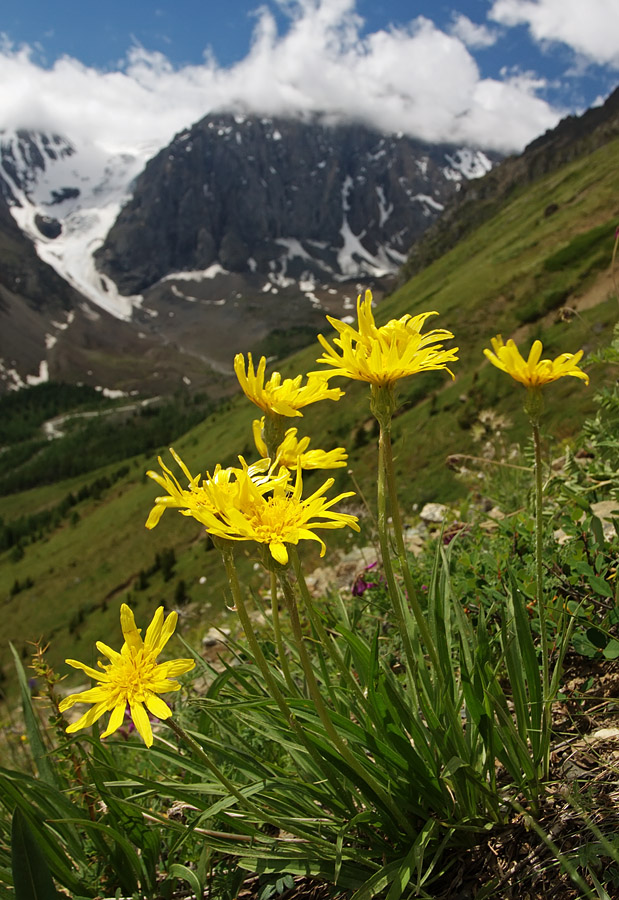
(474, 36)
(590, 27)
(415, 79)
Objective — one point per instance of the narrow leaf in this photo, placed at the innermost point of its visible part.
(35, 738)
(31, 875)
(177, 870)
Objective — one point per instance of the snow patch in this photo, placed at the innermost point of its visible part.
(293, 248)
(111, 393)
(384, 209)
(422, 165)
(196, 275)
(353, 258)
(346, 189)
(41, 377)
(83, 189)
(429, 201)
(467, 163)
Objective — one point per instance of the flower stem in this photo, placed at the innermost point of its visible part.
(329, 645)
(274, 432)
(239, 604)
(214, 769)
(382, 407)
(279, 643)
(541, 605)
(273, 688)
(323, 712)
(258, 812)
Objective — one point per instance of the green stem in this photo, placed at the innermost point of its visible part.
(239, 604)
(279, 643)
(398, 534)
(214, 769)
(237, 597)
(541, 605)
(274, 432)
(382, 407)
(325, 640)
(323, 712)
(257, 811)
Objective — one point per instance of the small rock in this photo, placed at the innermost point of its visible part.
(606, 510)
(215, 636)
(434, 512)
(414, 543)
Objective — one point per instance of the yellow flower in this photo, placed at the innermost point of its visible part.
(286, 397)
(292, 451)
(204, 500)
(132, 676)
(252, 503)
(534, 372)
(383, 355)
(283, 517)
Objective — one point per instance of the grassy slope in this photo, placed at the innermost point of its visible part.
(497, 280)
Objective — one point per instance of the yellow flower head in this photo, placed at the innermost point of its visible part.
(132, 677)
(254, 504)
(282, 517)
(205, 499)
(286, 397)
(533, 372)
(292, 451)
(383, 355)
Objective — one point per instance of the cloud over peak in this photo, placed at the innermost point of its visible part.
(417, 79)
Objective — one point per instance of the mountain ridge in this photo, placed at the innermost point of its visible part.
(574, 136)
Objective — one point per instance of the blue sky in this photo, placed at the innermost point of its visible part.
(493, 72)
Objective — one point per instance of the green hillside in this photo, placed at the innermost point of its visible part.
(539, 268)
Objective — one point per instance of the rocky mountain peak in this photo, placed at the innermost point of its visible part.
(24, 156)
(282, 197)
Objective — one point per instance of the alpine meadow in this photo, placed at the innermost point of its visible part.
(349, 627)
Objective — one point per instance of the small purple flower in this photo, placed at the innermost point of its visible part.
(361, 585)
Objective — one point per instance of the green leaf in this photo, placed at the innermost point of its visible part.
(600, 586)
(45, 768)
(597, 637)
(583, 645)
(598, 531)
(611, 651)
(179, 871)
(31, 875)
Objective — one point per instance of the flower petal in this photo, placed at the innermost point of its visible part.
(157, 706)
(142, 723)
(116, 719)
(93, 673)
(89, 718)
(130, 632)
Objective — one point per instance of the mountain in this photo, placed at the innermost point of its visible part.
(239, 235)
(49, 329)
(287, 199)
(65, 196)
